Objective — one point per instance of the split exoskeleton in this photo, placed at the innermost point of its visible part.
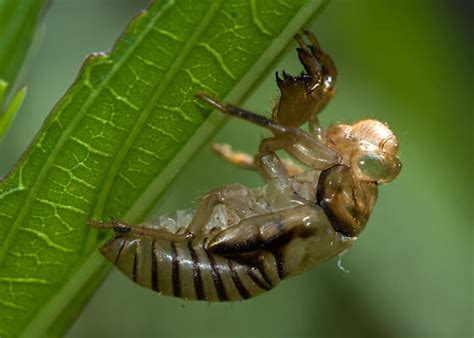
(241, 242)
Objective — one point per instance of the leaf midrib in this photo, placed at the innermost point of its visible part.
(65, 135)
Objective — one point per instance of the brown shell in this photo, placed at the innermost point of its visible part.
(347, 202)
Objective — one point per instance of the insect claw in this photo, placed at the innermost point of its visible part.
(300, 40)
(312, 67)
(286, 76)
(312, 39)
(278, 79)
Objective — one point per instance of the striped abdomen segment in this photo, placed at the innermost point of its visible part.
(187, 270)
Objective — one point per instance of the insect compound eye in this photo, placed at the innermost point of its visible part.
(370, 166)
(376, 167)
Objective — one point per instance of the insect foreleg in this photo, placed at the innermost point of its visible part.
(268, 163)
(277, 142)
(303, 146)
(311, 64)
(266, 231)
(324, 58)
(315, 128)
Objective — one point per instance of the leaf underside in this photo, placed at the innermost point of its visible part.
(117, 138)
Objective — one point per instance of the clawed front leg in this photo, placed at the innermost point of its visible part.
(268, 163)
(317, 63)
(277, 169)
(301, 145)
(311, 64)
(304, 147)
(306, 95)
(326, 61)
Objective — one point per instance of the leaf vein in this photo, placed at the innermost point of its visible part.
(47, 240)
(143, 117)
(56, 205)
(219, 58)
(89, 147)
(20, 280)
(256, 19)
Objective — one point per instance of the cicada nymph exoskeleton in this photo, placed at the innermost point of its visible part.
(241, 242)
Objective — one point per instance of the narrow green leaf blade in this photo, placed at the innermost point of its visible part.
(11, 108)
(18, 23)
(117, 138)
(3, 92)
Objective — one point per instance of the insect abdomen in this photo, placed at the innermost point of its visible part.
(186, 269)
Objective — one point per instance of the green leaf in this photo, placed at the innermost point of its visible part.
(116, 140)
(18, 23)
(11, 108)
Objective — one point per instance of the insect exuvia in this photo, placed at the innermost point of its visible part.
(241, 242)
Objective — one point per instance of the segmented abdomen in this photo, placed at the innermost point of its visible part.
(187, 270)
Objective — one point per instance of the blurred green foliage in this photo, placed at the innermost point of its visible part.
(18, 24)
(411, 271)
(8, 109)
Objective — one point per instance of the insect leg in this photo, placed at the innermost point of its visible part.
(312, 39)
(326, 61)
(121, 227)
(277, 142)
(264, 232)
(245, 115)
(310, 63)
(268, 163)
(247, 161)
(236, 197)
(303, 146)
(315, 128)
(240, 159)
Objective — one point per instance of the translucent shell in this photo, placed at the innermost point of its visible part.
(240, 242)
(369, 147)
